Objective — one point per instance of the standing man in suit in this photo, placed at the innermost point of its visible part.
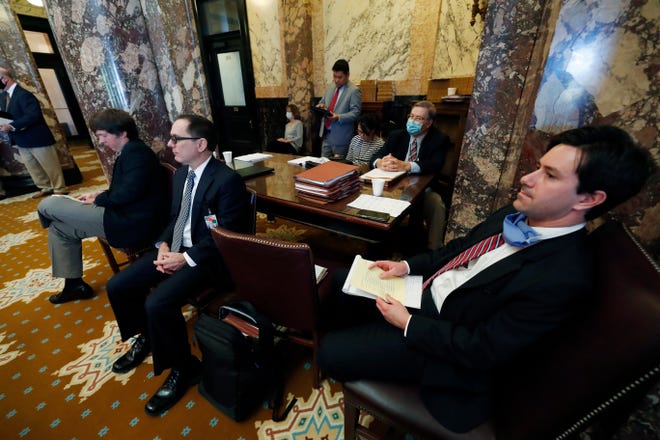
(129, 214)
(344, 102)
(482, 308)
(29, 132)
(206, 193)
(420, 148)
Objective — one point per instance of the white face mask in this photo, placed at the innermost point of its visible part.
(289, 115)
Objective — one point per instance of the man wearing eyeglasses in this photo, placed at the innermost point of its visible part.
(129, 214)
(147, 296)
(420, 148)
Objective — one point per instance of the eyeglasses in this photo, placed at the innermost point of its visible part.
(174, 138)
(416, 118)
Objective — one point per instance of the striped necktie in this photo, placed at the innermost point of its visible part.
(413, 151)
(484, 246)
(184, 212)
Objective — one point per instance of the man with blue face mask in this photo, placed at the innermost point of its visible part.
(420, 148)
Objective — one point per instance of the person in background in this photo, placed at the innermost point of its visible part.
(28, 130)
(489, 295)
(367, 142)
(147, 296)
(344, 102)
(292, 141)
(129, 214)
(420, 148)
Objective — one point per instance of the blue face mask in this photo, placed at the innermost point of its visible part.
(517, 232)
(413, 127)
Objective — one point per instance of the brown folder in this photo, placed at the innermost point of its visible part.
(327, 174)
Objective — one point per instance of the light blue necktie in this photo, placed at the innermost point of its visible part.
(177, 237)
(517, 232)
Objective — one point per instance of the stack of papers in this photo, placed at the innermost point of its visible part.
(362, 281)
(388, 176)
(301, 160)
(254, 157)
(328, 182)
(393, 207)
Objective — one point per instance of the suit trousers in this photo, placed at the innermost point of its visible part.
(156, 313)
(362, 345)
(44, 167)
(68, 222)
(336, 151)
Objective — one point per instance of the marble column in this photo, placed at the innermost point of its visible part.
(108, 55)
(513, 49)
(299, 53)
(15, 53)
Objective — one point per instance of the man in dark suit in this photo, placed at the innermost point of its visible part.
(420, 148)
(129, 214)
(28, 130)
(481, 308)
(206, 193)
(344, 102)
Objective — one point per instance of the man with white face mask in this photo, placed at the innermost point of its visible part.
(420, 148)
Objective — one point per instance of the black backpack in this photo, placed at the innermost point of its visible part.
(240, 370)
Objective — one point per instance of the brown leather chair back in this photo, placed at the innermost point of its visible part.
(276, 276)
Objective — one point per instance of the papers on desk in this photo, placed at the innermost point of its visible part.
(4, 121)
(362, 281)
(393, 207)
(254, 157)
(301, 160)
(388, 176)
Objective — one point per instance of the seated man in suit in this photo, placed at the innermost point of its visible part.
(523, 274)
(129, 214)
(206, 193)
(420, 148)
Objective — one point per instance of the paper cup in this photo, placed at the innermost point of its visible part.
(451, 91)
(377, 186)
(227, 156)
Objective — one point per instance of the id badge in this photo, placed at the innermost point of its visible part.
(211, 221)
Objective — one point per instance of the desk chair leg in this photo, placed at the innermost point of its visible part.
(351, 416)
(110, 256)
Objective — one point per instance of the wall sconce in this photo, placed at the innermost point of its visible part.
(478, 8)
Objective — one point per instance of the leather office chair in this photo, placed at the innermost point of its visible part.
(593, 369)
(278, 278)
(131, 253)
(203, 298)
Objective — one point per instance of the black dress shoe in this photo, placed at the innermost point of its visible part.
(134, 357)
(173, 389)
(83, 291)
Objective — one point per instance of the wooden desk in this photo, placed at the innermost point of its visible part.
(276, 195)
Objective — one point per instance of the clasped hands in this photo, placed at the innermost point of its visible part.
(168, 262)
(391, 163)
(392, 310)
(5, 127)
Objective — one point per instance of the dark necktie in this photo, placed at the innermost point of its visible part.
(177, 237)
(332, 107)
(475, 251)
(413, 151)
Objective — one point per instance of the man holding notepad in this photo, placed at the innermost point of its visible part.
(489, 295)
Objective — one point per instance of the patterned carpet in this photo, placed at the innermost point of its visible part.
(55, 361)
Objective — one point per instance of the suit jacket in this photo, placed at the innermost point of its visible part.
(348, 107)
(30, 129)
(221, 191)
(137, 200)
(430, 154)
(491, 318)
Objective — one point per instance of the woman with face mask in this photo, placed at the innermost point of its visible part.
(292, 141)
(367, 142)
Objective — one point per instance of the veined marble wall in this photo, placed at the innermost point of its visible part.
(458, 42)
(407, 42)
(601, 69)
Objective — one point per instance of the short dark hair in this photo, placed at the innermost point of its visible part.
(429, 106)
(610, 161)
(199, 126)
(369, 123)
(116, 122)
(340, 66)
